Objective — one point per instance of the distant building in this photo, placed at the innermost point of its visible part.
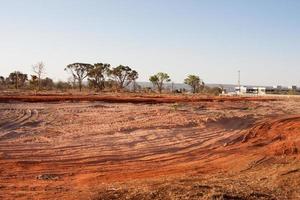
(241, 90)
(261, 90)
(250, 90)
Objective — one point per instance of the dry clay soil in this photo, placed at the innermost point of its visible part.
(224, 149)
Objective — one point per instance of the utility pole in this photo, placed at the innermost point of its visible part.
(239, 80)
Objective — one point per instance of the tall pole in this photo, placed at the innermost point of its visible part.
(239, 80)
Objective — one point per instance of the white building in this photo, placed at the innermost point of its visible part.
(243, 90)
(261, 90)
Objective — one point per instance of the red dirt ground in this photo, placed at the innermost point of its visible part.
(178, 148)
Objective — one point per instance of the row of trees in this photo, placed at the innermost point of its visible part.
(19, 80)
(99, 76)
(36, 81)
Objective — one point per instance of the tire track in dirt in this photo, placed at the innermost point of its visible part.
(19, 120)
(104, 142)
(139, 141)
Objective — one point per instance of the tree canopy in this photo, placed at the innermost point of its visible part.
(18, 79)
(97, 75)
(195, 82)
(159, 79)
(79, 72)
(123, 75)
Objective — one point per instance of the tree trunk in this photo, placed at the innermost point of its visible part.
(39, 83)
(159, 87)
(80, 85)
(194, 89)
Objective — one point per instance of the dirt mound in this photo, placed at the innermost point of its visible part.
(126, 99)
(278, 136)
(231, 123)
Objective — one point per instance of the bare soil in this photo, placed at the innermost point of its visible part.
(149, 147)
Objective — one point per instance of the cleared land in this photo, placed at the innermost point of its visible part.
(129, 147)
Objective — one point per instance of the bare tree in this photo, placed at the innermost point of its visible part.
(39, 70)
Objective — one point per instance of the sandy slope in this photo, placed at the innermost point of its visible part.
(188, 150)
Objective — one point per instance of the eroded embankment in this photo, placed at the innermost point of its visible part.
(127, 99)
(276, 136)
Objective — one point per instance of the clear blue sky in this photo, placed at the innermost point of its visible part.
(211, 38)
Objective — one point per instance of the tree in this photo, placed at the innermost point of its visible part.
(79, 72)
(39, 70)
(195, 82)
(72, 82)
(136, 86)
(159, 79)
(47, 83)
(18, 79)
(34, 82)
(213, 90)
(2, 82)
(63, 86)
(123, 75)
(97, 75)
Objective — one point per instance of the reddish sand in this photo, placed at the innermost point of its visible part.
(206, 148)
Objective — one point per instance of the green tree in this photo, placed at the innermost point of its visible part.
(18, 79)
(97, 75)
(195, 82)
(79, 72)
(159, 79)
(123, 76)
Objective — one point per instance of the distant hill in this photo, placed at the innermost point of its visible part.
(227, 87)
